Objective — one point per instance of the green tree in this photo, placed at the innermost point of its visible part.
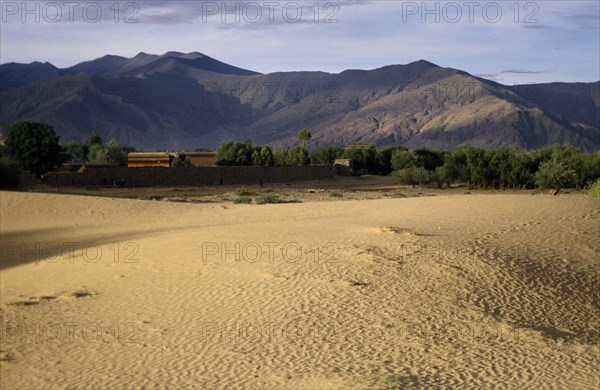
(280, 156)
(304, 135)
(326, 155)
(181, 161)
(554, 175)
(403, 159)
(33, 145)
(478, 162)
(455, 168)
(96, 154)
(78, 152)
(362, 158)
(412, 176)
(383, 159)
(233, 153)
(93, 139)
(429, 159)
(263, 157)
(114, 153)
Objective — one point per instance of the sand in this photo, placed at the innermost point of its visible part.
(447, 291)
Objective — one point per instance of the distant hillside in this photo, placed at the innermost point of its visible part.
(191, 101)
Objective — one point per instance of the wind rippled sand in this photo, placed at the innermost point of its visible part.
(445, 291)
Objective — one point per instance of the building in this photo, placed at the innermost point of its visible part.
(165, 159)
(149, 159)
(202, 159)
(343, 167)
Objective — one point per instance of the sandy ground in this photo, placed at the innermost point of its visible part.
(449, 291)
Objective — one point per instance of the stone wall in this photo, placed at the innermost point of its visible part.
(169, 177)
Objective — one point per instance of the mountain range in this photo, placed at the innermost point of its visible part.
(188, 101)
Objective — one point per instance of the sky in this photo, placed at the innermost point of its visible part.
(511, 42)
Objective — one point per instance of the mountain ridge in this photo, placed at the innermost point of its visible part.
(190, 100)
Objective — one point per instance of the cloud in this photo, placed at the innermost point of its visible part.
(519, 71)
(243, 14)
(539, 26)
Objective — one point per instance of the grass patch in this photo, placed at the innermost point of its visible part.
(266, 199)
(336, 194)
(595, 189)
(242, 200)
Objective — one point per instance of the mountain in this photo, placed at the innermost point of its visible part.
(180, 101)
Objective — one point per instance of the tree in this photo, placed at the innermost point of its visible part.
(554, 175)
(363, 159)
(429, 159)
(304, 135)
(412, 176)
(383, 159)
(326, 155)
(455, 168)
(181, 162)
(114, 153)
(33, 145)
(93, 139)
(233, 153)
(478, 161)
(78, 152)
(96, 154)
(403, 159)
(263, 157)
(280, 155)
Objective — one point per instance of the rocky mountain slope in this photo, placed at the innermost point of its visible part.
(188, 101)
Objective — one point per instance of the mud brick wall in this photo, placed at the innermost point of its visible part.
(168, 177)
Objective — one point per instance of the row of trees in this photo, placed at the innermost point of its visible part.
(35, 147)
(94, 151)
(559, 166)
(234, 153)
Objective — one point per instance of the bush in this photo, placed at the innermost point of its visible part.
(336, 194)
(412, 176)
(242, 200)
(555, 175)
(10, 171)
(264, 199)
(595, 189)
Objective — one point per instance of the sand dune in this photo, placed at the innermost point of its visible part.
(444, 291)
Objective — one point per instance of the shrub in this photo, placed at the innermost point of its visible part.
(242, 200)
(412, 176)
(336, 194)
(264, 199)
(552, 174)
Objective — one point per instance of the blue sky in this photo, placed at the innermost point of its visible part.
(512, 42)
